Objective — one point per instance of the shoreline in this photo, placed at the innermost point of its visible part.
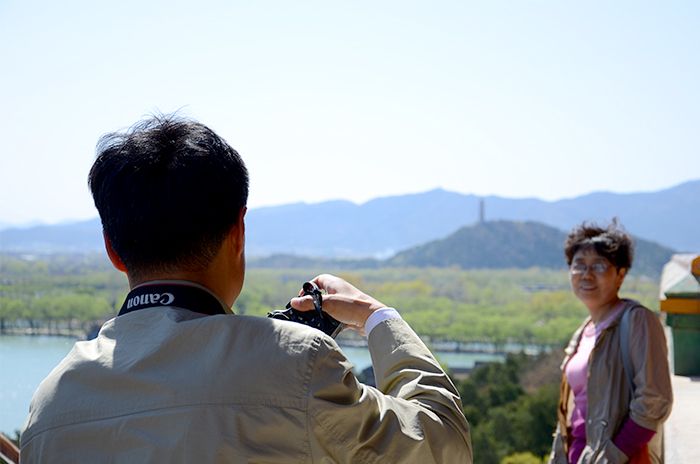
(79, 334)
(437, 347)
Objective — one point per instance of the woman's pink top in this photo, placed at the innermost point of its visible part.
(577, 375)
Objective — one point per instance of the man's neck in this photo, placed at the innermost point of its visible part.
(223, 275)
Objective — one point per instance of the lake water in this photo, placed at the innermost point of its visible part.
(26, 360)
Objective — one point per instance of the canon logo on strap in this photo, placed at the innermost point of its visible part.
(150, 298)
(187, 295)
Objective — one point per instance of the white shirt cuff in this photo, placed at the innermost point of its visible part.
(379, 316)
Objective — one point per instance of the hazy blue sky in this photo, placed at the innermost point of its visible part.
(357, 100)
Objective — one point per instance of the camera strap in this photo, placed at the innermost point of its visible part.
(172, 294)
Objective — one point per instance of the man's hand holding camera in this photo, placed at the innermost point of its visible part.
(342, 301)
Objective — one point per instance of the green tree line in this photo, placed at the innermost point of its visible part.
(71, 291)
(532, 306)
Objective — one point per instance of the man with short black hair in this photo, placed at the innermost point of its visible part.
(177, 377)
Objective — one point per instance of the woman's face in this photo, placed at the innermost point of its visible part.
(594, 280)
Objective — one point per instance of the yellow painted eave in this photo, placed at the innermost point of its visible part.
(680, 305)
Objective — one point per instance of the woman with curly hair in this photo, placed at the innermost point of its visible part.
(603, 417)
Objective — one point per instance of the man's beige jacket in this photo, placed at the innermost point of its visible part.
(167, 385)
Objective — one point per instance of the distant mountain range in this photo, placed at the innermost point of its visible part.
(82, 236)
(385, 226)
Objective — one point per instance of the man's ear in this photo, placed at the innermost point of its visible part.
(116, 261)
(238, 230)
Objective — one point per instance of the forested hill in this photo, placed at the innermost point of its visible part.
(512, 244)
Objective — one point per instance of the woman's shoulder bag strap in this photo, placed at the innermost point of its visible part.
(625, 347)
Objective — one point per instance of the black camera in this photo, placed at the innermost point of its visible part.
(317, 319)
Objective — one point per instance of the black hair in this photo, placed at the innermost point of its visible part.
(168, 191)
(611, 242)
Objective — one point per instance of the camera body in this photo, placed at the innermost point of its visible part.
(317, 318)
